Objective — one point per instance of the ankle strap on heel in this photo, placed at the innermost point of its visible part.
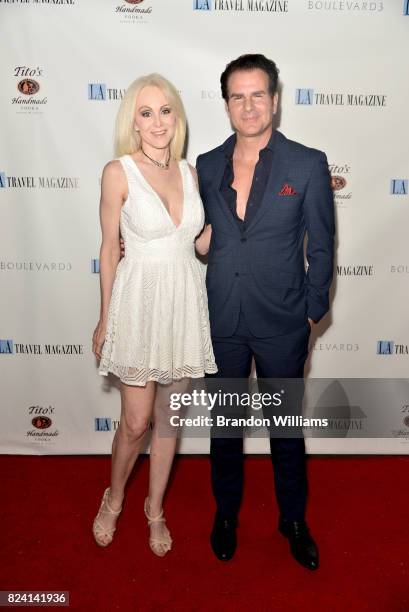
(152, 519)
(110, 510)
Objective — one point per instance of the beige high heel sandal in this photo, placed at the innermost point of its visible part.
(159, 546)
(99, 530)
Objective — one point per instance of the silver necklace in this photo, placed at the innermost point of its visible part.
(157, 163)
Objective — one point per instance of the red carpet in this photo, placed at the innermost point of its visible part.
(358, 513)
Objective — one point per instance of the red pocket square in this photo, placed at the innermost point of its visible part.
(287, 190)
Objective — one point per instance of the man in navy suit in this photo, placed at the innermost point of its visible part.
(262, 194)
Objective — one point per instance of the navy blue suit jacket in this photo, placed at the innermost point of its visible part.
(262, 269)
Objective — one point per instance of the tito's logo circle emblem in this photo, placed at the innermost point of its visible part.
(41, 422)
(338, 182)
(28, 87)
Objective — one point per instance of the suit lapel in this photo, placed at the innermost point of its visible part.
(277, 178)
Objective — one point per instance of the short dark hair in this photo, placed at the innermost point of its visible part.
(251, 61)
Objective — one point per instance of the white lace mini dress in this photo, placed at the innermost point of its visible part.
(158, 321)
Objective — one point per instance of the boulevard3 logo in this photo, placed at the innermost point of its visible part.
(338, 347)
(35, 266)
(261, 6)
(345, 6)
(211, 94)
(399, 269)
(133, 11)
(309, 97)
(29, 85)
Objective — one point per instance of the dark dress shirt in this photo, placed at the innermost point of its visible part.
(258, 185)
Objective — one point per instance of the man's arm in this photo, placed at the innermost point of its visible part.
(201, 190)
(320, 224)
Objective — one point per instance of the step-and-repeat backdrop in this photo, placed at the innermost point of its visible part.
(65, 65)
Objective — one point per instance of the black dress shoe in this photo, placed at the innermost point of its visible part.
(302, 546)
(223, 538)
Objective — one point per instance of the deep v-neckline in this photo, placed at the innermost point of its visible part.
(158, 196)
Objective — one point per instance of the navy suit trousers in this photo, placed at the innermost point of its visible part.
(275, 357)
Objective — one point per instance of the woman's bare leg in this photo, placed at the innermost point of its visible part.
(136, 412)
(162, 452)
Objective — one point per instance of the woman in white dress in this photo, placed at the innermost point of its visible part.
(153, 327)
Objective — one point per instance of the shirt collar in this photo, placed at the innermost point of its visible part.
(230, 143)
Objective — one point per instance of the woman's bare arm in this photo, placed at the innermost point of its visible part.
(113, 194)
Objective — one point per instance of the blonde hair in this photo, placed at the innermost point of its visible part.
(126, 139)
